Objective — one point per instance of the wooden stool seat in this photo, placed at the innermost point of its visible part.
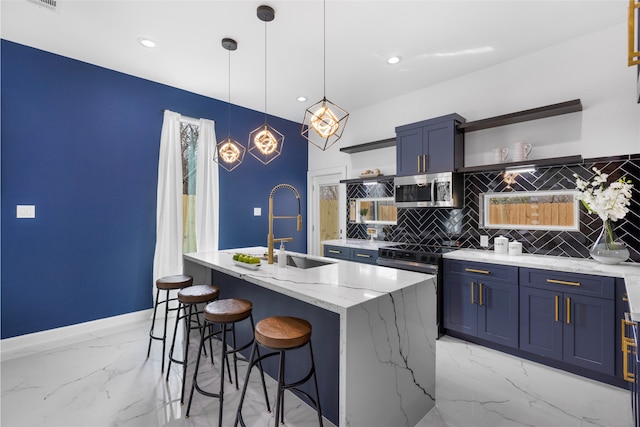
(178, 281)
(282, 332)
(228, 310)
(198, 294)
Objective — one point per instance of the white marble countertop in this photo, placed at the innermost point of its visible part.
(335, 287)
(627, 270)
(359, 243)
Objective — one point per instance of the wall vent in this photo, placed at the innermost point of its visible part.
(49, 4)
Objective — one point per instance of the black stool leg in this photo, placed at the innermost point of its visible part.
(244, 386)
(164, 333)
(195, 373)
(279, 402)
(153, 322)
(222, 358)
(173, 341)
(315, 382)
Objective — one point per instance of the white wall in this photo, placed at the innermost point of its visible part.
(592, 68)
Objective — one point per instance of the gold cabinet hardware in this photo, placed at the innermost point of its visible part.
(473, 291)
(333, 251)
(634, 55)
(424, 162)
(568, 311)
(625, 297)
(363, 255)
(628, 348)
(419, 165)
(473, 270)
(557, 306)
(480, 291)
(563, 282)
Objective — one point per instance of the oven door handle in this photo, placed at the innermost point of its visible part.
(408, 265)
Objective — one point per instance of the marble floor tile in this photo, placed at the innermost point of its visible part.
(105, 379)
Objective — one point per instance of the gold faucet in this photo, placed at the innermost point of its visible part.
(270, 238)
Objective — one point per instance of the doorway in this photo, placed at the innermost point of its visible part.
(327, 207)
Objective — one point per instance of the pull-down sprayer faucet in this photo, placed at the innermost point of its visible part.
(270, 238)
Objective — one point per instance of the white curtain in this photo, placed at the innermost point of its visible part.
(206, 189)
(167, 259)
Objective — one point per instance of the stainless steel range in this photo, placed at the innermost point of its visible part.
(420, 258)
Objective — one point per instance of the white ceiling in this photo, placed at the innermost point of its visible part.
(360, 35)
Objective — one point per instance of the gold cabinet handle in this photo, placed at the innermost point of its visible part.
(634, 55)
(628, 343)
(557, 306)
(625, 297)
(568, 311)
(563, 282)
(419, 166)
(480, 291)
(473, 270)
(333, 251)
(364, 255)
(473, 289)
(424, 162)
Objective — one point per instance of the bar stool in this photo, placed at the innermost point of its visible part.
(226, 313)
(279, 334)
(167, 284)
(188, 300)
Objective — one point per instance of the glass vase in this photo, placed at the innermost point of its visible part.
(607, 248)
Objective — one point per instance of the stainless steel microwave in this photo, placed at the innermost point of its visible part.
(439, 190)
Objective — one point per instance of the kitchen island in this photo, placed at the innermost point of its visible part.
(374, 329)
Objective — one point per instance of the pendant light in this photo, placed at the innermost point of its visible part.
(265, 142)
(229, 152)
(324, 121)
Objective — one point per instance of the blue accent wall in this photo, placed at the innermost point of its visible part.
(81, 143)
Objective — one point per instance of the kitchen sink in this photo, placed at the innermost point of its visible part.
(304, 263)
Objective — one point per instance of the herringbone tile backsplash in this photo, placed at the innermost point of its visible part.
(460, 226)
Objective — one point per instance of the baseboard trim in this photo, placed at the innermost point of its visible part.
(38, 341)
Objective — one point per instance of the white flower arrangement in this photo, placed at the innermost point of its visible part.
(609, 203)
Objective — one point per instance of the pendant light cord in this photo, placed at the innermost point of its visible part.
(229, 95)
(324, 49)
(265, 72)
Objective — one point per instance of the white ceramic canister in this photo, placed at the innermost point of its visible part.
(501, 245)
(515, 248)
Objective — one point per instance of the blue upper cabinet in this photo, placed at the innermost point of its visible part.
(430, 146)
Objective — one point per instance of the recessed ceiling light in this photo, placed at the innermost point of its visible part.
(393, 60)
(302, 98)
(146, 42)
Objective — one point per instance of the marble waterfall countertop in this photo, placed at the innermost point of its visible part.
(387, 330)
(630, 272)
(359, 243)
(336, 286)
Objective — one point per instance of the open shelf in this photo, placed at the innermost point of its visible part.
(523, 116)
(379, 178)
(555, 161)
(383, 143)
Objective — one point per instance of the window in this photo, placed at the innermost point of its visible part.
(188, 143)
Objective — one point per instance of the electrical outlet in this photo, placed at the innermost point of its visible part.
(484, 241)
(25, 211)
(257, 211)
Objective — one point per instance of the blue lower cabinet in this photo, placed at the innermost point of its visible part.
(339, 252)
(476, 304)
(563, 323)
(367, 256)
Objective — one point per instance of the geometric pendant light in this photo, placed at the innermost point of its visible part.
(265, 142)
(324, 121)
(229, 152)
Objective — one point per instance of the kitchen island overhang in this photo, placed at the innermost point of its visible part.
(385, 346)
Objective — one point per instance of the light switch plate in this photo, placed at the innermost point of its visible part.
(257, 211)
(484, 241)
(25, 211)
